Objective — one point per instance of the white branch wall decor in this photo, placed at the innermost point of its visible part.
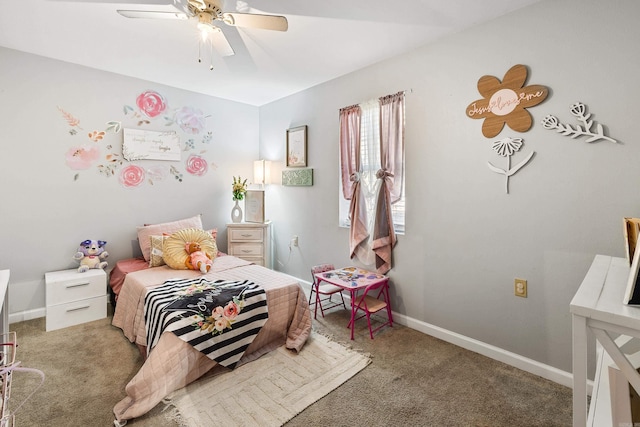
(579, 110)
(506, 147)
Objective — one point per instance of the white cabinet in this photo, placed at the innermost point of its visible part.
(73, 298)
(251, 242)
(598, 307)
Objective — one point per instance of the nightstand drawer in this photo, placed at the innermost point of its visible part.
(77, 312)
(247, 249)
(245, 235)
(69, 285)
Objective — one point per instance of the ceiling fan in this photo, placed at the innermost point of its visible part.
(209, 13)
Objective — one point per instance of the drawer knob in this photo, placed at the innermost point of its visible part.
(246, 251)
(77, 284)
(78, 308)
(246, 235)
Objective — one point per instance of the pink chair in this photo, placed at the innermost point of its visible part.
(370, 304)
(324, 292)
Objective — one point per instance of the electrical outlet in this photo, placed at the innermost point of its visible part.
(294, 241)
(520, 288)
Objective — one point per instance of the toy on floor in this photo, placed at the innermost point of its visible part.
(197, 259)
(91, 254)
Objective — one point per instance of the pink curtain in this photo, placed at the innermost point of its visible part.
(391, 172)
(350, 164)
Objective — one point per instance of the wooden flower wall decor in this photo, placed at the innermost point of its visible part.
(506, 101)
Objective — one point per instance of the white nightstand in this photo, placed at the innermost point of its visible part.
(250, 241)
(73, 298)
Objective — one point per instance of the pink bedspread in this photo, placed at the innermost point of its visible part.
(120, 271)
(173, 364)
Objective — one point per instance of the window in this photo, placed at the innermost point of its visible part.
(370, 164)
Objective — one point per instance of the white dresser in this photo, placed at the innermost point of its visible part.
(73, 298)
(250, 241)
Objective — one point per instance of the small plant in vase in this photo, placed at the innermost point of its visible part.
(239, 189)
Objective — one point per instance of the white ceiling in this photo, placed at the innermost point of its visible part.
(326, 39)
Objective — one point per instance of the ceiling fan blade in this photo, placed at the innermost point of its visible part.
(148, 14)
(251, 20)
(220, 43)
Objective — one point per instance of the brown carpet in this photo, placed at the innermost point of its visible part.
(413, 380)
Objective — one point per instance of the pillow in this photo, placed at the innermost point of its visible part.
(174, 253)
(145, 232)
(155, 254)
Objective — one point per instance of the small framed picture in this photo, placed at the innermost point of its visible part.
(254, 206)
(297, 147)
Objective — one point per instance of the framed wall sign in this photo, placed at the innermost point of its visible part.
(140, 144)
(297, 147)
(254, 206)
(297, 177)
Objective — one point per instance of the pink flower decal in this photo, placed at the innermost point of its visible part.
(196, 165)
(156, 173)
(190, 120)
(82, 157)
(132, 176)
(151, 103)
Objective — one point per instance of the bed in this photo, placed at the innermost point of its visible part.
(173, 363)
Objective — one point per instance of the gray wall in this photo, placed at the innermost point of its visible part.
(46, 214)
(466, 239)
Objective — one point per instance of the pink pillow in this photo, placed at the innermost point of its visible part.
(145, 232)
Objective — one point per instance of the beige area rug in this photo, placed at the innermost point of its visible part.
(270, 390)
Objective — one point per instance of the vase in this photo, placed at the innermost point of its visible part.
(236, 213)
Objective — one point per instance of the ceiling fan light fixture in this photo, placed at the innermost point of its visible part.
(205, 22)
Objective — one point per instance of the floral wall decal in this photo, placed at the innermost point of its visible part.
(71, 121)
(151, 106)
(190, 120)
(506, 101)
(151, 103)
(132, 176)
(196, 165)
(96, 136)
(82, 157)
(579, 110)
(506, 147)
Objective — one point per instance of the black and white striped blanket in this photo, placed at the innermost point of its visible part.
(219, 318)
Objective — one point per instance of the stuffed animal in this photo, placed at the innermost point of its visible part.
(197, 259)
(91, 254)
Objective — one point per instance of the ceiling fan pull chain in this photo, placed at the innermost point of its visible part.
(199, 49)
(211, 65)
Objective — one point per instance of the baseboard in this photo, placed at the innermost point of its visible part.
(524, 363)
(27, 315)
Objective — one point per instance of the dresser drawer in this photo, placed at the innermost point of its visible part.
(256, 261)
(245, 235)
(69, 285)
(251, 242)
(246, 250)
(77, 312)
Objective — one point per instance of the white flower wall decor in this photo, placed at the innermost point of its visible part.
(506, 147)
(579, 110)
